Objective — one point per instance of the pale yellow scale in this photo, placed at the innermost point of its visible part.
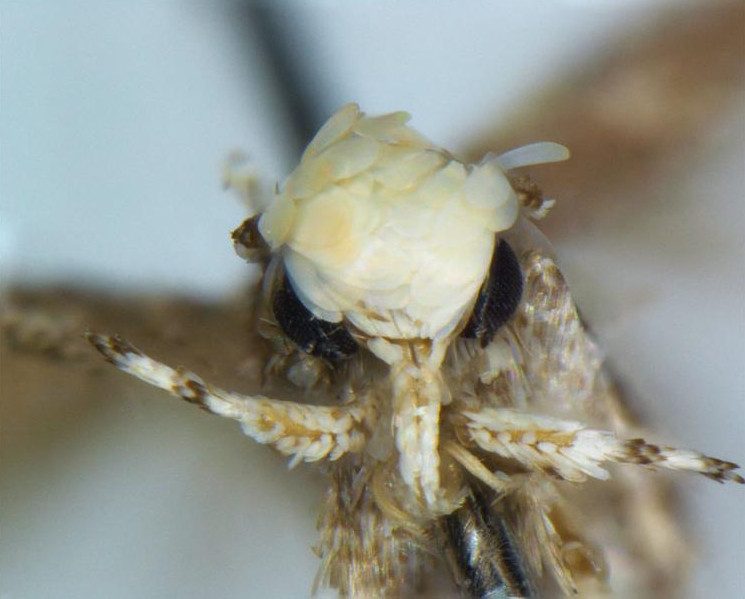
(383, 229)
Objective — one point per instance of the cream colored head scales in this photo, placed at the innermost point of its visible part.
(381, 228)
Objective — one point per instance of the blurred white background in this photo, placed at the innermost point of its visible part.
(115, 121)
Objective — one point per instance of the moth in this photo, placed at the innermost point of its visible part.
(468, 419)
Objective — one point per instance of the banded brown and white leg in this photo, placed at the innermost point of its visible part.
(307, 433)
(574, 452)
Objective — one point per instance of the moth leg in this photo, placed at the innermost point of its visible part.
(307, 433)
(476, 468)
(573, 452)
(364, 553)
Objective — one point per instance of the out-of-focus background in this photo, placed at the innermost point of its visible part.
(116, 119)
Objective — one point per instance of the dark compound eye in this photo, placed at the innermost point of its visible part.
(328, 340)
(498, 298)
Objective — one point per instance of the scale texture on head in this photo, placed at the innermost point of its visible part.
(382, 228)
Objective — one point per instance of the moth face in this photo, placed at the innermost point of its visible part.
(383, 231)
(388, 237)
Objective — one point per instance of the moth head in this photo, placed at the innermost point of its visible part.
(382, 231)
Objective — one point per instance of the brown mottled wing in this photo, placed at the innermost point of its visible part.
(42, 346)
(362, 553)
(624, 529)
